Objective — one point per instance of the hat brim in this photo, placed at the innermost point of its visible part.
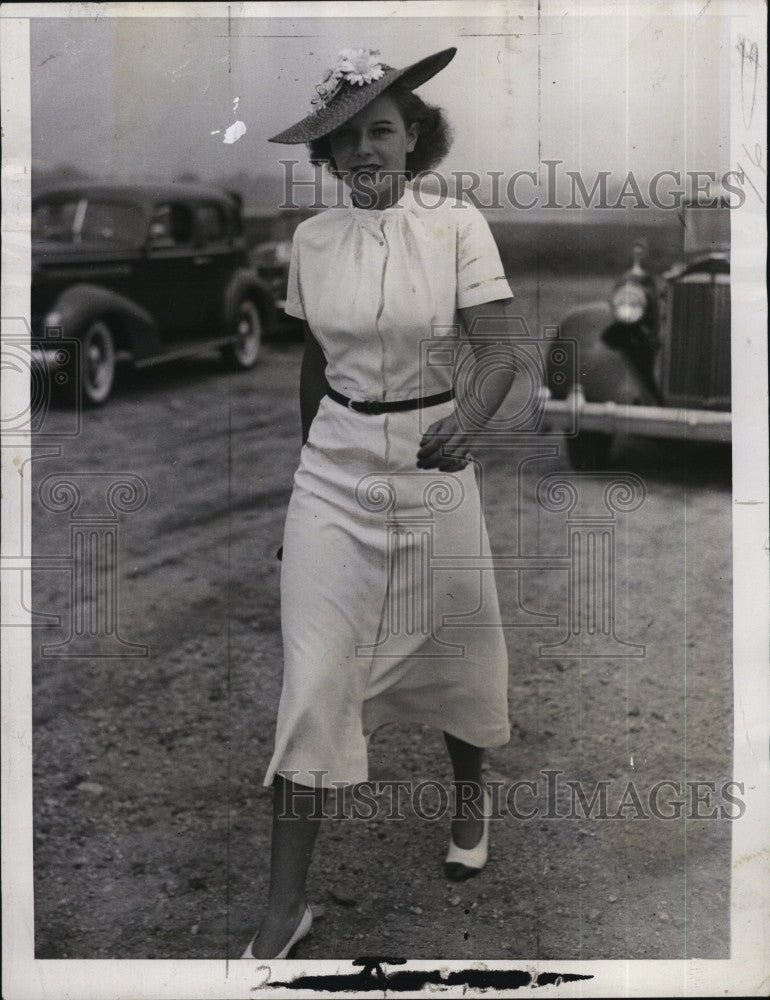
(352, 98)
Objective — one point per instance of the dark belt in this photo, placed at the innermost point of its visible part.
(375, 406)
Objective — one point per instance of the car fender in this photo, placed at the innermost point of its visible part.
(604, 373)
(246, 282)
(79, 305)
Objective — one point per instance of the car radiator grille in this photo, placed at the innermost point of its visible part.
(697, 371)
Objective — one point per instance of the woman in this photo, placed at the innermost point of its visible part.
(384, 481)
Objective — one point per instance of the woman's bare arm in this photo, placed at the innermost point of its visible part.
(493, 356)
(446, 441)
(312, 381)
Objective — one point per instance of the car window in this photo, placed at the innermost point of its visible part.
(212, 223)
(52, 220)
(171, 225)
(84, 220)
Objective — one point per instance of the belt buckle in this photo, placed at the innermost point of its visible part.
(370, 407)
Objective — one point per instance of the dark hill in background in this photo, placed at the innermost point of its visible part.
(549, 240)
(552, 243)
(596, 240)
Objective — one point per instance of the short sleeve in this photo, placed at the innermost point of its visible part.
(480, 274)
(293, 305)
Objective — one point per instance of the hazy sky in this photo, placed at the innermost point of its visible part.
(128, 96)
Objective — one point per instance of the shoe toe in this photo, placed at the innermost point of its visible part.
(459, 873)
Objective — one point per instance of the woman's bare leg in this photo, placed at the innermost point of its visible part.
(467, 761)
(297, 812)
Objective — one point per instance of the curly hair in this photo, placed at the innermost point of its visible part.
(433, 141)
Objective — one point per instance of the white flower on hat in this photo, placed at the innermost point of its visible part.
(354, 66)
(360, 65)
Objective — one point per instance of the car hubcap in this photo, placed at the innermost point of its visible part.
(248, 333)
(98, 368)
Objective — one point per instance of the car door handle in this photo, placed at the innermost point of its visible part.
(199, 261)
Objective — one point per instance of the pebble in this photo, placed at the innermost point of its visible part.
(194, 929)
(91, 787)
(454, 901)
(416, 910)
(612, 899)
(594, 915)
(663, 917)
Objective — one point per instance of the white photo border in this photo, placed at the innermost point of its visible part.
(746, 971)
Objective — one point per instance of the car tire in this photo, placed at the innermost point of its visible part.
(589, 450)
(243, 352)
(97, 363)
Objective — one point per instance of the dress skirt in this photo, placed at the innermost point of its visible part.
(389, 610)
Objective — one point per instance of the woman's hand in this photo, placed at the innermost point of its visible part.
(444, 446)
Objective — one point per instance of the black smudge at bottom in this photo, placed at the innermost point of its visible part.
(373, 977)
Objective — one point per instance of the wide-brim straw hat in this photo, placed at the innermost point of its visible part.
(353, 97)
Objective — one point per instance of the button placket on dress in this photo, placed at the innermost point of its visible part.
(383, 243)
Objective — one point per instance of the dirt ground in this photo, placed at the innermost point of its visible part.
(151, 829)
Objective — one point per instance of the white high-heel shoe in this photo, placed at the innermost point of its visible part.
(462, 862)
(302, 930)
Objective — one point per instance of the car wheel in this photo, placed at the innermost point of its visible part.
(589, 450)
(243, 352)
(97, 363)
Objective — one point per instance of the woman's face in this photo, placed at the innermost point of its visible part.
(370, 151)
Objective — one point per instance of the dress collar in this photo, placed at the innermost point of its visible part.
(375, 215)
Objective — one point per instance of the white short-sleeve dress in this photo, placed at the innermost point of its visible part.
(388, 603)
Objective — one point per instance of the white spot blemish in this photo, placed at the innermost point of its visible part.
(216, 131)
(234, 132)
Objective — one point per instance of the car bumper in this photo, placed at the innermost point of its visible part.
(651, 421)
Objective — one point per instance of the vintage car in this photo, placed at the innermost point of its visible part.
(652, 360)
(271, 262)
(142, 273)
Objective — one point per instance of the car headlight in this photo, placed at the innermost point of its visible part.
(270, 255)
(629, 302)
(52, 320)
(283, 252)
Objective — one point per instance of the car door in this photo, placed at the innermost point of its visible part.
(171, 287)
(218, 260)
